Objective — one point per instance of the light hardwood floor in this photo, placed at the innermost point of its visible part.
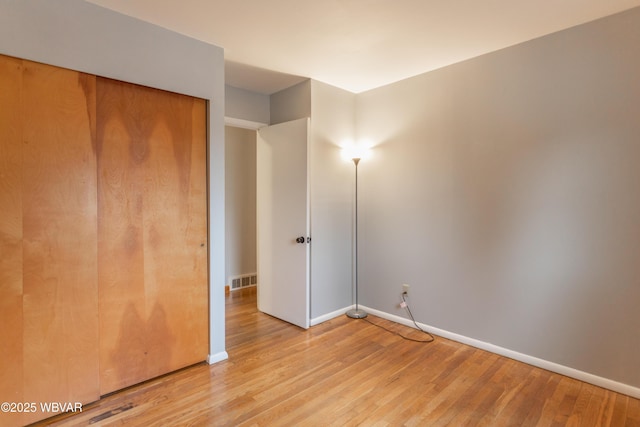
(347, 372)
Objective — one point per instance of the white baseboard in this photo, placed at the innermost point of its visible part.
(530, 360)
(329, 316)
(218, 357)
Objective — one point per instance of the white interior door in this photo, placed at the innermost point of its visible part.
(283, 218)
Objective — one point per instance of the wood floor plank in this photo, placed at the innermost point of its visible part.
(348, 372)
(632, 418)
(619, 411)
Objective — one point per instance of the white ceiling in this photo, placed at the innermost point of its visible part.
(357, 45)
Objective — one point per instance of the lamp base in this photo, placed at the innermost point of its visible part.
(356, 314)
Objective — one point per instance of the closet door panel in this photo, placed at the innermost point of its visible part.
(175, 234)
(152, 228)
(60, 302)
(193, 343)
(11, 368)
(103, 227)
(120, 243)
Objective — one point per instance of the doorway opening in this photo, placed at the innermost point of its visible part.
(240, 210)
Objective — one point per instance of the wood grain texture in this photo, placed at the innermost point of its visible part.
(60, 235)
(48, 235)
(152, 232)
(11, 265)
(120, 247)
(347, 372)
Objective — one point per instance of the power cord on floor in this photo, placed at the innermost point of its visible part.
(406, 305)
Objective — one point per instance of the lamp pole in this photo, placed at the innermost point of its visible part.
(356, 313)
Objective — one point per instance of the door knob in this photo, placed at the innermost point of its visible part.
(300, 239)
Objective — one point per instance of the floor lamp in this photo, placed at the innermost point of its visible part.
(356, 313)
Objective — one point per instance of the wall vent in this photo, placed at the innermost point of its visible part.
(243, 281)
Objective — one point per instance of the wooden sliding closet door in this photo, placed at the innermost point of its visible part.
(103, 235)
(11, 285)
(48, 236)
(152, 229)
(60, 235)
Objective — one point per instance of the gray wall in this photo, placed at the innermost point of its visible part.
(331, 179)
(246, 106)
(291, 103)
(505, 191)
(82, 36)
(240, 166)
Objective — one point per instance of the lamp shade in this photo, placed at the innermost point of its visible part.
(351, 152)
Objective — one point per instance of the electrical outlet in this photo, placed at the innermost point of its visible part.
(405, 288)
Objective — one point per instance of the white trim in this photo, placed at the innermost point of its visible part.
(530, 360)
(329, 316)
(218, 357)
(244, 124)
